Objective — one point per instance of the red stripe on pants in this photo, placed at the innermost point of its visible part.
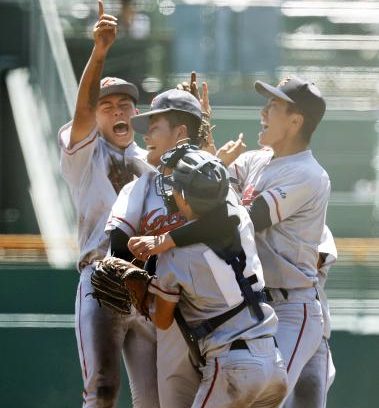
(298, 338)
(212, 385)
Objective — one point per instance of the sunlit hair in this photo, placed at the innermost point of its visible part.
(178, 118)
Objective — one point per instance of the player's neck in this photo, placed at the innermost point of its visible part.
(290, 148)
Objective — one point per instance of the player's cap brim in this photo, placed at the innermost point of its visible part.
(127, 89)
(140, 123)
(270, 91)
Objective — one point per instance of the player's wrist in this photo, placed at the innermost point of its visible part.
(99, 52)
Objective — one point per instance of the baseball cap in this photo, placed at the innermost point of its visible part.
(113, 85)
(304, 94)
(171, 100)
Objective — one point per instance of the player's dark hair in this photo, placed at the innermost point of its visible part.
(177, 118)
(309, 125)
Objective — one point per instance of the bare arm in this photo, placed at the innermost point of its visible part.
(104, 34)
(164, 313)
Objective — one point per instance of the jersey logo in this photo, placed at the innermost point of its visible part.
(151, 225)
(249, 195)
(282, 193)
(108, 81)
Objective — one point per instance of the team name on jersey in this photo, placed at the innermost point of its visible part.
(249, 195)
(151, 225)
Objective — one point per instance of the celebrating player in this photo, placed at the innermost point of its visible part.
(286, 192)
(174, 118)
(97, 153)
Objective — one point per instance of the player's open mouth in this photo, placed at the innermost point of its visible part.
(149, 147)
(121, 128)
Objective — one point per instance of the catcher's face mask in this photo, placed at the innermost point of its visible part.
(164, 185)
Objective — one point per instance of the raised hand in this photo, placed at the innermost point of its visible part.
(194, 89)
(105, 29)
(204, 97)
(231, 150)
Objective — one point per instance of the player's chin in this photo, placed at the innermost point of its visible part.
(153, 157)
(261, 138)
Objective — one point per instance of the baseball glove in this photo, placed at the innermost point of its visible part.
(119, 284)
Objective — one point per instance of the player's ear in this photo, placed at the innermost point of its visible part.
(137, 111)
(182, 132)
(297, 120)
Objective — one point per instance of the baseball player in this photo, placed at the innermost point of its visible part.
(286, 192)
(242, 364)
(318, 374)
(174, 118)
(97, 154)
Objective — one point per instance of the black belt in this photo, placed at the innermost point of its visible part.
(242, 345)
(269, 298)
(239, 345)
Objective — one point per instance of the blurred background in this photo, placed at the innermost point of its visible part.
(44, 46)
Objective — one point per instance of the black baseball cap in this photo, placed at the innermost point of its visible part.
(304, 94)
(113, 85)
(171, 100)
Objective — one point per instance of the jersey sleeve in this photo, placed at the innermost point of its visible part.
(167, 285)
(76, 160)
(127, 211)
(288, 198)
(239, 171)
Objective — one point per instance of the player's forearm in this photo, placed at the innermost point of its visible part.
(161, 312)
(88, 95)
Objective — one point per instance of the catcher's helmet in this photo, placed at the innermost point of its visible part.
(202, 179)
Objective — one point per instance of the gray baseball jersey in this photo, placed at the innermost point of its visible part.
(138, 210)
(204, 285)
(296, 189)
(95, 172)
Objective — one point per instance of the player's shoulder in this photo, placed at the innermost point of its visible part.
(313, 169)
(257, 154)
(64, 136)
(254, 157)
(305, 166)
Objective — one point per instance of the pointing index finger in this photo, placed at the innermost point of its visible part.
(101, 7)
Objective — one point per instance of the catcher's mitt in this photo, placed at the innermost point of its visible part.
(119, 284)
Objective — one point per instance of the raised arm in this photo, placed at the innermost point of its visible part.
(104, 34)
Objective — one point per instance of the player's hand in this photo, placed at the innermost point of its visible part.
(104, 31)
(193, 88)
(144, 246)
(231, 150)
(204, 97)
